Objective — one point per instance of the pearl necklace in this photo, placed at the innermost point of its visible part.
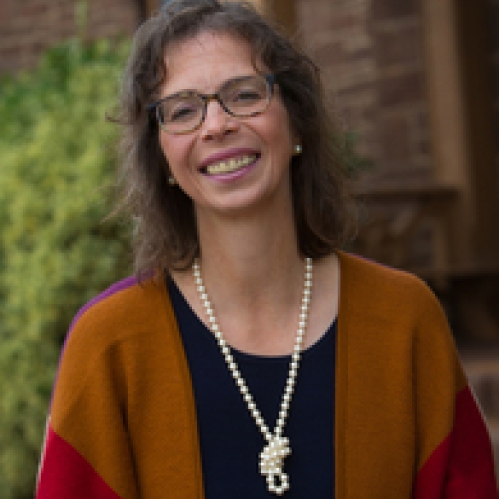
(277, 447)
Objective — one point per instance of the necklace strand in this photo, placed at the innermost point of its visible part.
(277, 448)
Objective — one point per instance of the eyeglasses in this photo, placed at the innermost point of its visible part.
(242, 97)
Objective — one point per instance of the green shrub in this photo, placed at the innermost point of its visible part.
(56, 175)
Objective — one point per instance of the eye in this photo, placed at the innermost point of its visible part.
(180, 109)
(246, 95)
(182, 112)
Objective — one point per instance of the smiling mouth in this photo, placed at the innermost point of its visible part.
(230, 165)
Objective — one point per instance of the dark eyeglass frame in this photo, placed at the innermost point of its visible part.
(270, 80)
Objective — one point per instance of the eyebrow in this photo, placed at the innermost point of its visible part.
(192, 90)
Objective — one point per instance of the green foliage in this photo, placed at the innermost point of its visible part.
(56, 176)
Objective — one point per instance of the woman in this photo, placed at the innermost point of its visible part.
(251, 358)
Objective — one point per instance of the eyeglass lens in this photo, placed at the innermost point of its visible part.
(241, 97)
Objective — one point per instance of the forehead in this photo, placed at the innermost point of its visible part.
(207, 60)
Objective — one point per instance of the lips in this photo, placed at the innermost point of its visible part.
(228, 162)
(230, 166)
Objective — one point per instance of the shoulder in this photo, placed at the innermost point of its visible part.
(365, 279)
(124, 326)
(125, 309)
(378, 298)
(395, 314)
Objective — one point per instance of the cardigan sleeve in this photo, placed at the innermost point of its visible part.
(122, 423)
(87, 453)
(455, 453)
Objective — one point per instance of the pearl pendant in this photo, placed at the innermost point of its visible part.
(272, 462)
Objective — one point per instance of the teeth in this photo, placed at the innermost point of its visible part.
(230, 166)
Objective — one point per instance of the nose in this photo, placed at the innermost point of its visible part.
(217, 122)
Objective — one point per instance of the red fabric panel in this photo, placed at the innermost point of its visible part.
(66, 474)
(471, 465)
(462, 466)
(430, 479)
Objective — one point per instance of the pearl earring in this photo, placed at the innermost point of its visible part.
(171, 180)
(297, 149)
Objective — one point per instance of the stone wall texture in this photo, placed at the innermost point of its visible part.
(371, 54)
(27, 27)
(374, 61)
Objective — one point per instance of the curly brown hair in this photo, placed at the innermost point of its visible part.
(165, 235)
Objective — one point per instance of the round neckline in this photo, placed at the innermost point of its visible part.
(248, 356)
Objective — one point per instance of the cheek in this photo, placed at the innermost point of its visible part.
(175, 150)
(164, 144)
(282, 137)
(281, 129)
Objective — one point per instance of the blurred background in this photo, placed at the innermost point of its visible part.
(416, 87)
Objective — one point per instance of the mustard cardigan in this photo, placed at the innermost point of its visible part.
(123, 424)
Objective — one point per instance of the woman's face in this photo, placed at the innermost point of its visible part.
(228, 165)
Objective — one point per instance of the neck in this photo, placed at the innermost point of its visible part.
(254, 276)
(249, 251)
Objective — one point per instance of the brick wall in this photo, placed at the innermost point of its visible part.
(371, 53)
(27, 27)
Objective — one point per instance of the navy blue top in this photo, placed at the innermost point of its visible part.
(229, 437)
